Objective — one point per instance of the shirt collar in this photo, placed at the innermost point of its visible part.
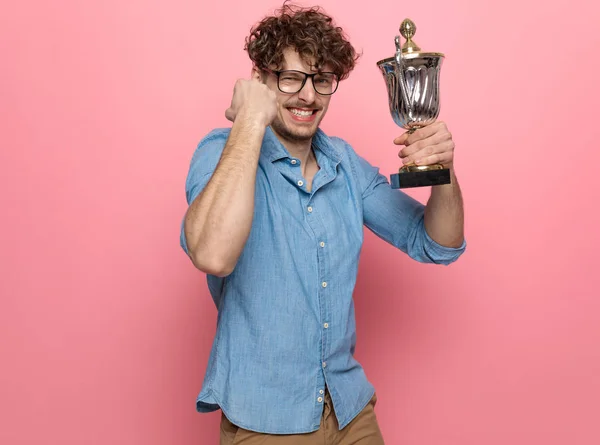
(274, 150)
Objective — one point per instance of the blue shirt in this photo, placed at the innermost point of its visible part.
(286, 326)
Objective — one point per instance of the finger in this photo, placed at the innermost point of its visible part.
(425, 132)
(438, 158)
(420, 154)
(436, 139)
(401, 140)
(443, 147)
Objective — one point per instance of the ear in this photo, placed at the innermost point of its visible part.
(256, 73)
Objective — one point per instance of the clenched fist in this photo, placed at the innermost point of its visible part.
(254, 100)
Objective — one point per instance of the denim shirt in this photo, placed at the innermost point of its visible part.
(285, 325)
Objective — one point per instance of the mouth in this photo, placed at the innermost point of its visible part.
(303, 114)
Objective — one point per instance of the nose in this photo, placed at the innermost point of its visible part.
(307, 93)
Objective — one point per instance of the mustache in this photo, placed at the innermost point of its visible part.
(304, 106)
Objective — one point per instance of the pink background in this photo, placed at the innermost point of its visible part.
(105, 326)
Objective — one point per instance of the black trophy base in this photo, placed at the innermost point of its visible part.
(420, 179)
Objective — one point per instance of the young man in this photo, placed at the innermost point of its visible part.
(275, 219)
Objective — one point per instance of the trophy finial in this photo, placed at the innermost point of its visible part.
(408, 30)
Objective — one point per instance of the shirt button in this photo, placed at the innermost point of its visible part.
(294, 161)
(322, 244)
(324, 364)
(309, 209)
(324, 284)
(326, 325)
(320, 399)
(300, 183)
(321, 391)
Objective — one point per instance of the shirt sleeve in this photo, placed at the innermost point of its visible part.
(203, 164)
(398, 218)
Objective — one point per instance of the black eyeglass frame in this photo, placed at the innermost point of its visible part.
(306, 76)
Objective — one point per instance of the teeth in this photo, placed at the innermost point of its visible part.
(301, 112)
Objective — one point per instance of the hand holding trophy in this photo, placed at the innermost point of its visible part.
(412, 79)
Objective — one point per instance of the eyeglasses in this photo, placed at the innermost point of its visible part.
(291, 81)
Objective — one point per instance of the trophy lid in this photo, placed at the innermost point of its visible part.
(410, 49)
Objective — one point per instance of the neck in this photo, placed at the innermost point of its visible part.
(301, 150)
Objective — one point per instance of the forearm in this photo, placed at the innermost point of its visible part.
(218, 222)
(444, 214)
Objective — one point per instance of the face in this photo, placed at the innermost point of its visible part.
(299, 115)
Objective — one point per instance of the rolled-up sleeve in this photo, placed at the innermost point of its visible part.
(398, 218)
(203, 164)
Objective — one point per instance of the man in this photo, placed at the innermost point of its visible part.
(276, 219)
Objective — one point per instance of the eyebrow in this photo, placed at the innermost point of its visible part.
(302, 71)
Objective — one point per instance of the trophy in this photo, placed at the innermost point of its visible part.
(412, 79)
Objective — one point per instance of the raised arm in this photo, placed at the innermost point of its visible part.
(218, 221)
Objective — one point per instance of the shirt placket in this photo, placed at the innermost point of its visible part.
(316, 224)
(313, 207)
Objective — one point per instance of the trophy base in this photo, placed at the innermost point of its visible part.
(420, 178)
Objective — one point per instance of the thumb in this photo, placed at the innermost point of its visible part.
(401, 140)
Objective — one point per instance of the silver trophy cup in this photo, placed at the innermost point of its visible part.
(412, 79)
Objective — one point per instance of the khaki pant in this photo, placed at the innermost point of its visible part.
(363, 430)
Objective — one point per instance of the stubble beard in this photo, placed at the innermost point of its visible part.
(285, 132)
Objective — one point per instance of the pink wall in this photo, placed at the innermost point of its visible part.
(105, 326)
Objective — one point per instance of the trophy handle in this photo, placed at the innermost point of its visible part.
(400, 76)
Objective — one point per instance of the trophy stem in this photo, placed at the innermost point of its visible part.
(412, 166)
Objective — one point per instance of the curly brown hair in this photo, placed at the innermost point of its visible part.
(309, 31)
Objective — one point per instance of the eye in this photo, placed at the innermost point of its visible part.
(324, 79)
(291, 77)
